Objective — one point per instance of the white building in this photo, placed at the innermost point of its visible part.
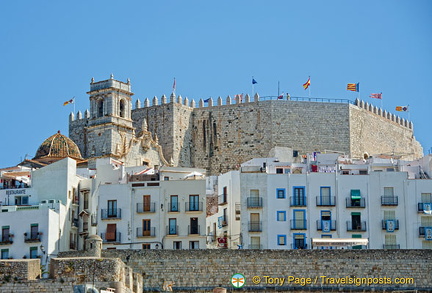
(285, 205)
(37, 219)
(143, 208)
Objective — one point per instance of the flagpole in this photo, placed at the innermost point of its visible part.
(253, 87)
(409, 114)
(278, 88)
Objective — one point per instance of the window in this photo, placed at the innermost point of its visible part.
(280, 193)
(122, 108)
(194, 202)
(21, 200)
(86, 200)
(279, 170)
(111, 232)
(281, 239)
(146, 227)
(356, 221)
(177, 245)
(174, 204)
(194, 228)
(299, 241)
(356, 246)
(355, 197)
(193, 244)
(326, 225)
(254, 224)
(325, 196)
(281, 216)
(112, 208)
(426, 198)
(34, 231)
(299, 219)
(5, 234)
(33, 252)
(146, 246)
(4, 253)
(224, 194)
(172, 228)
(100, 107)
(390, 241)
(299, 198)
(255, 243)
(146, 203)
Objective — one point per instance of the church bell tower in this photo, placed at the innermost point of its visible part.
(110, 126)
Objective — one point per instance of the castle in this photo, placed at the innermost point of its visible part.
(219, 137)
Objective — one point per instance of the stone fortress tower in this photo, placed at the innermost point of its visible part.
(221, 136)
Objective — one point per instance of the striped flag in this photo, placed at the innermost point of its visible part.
(402, 108)
(376, 96)
(71, 101)
(354, 87)
(307, 84)
(174, 85)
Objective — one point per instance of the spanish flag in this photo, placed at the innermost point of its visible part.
(306, 84)
(354, 87)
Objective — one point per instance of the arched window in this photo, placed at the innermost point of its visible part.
(122, 108)
(99, 108)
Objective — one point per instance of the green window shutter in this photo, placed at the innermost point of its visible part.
(355, 194)
(355, 214)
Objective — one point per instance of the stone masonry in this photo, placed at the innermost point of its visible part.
(220, 137)
(206, 269)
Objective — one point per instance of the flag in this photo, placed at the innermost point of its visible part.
(354, 87)
(307, 83)
(402, 108)
(207, 100)
(376, 96)
(174, 85)
(281, 96)
(254, 81)
(240, 97)
(71, 101)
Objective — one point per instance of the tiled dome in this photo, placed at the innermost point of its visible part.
(57, 147)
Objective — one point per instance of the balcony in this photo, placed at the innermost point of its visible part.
(145, 207)
(391, 246)
(299, 246)
(140, 232)
(389, 200)
(425, 208)
(356, 226)
(193, 206)
(194, 230)
(254, 202)
(223, 199)
(111, 237)
(110, 214)
(73, 245)
(296, 201)
(386, 225)
(75, 223)
(172, 230)
(300, 224)
(255, 246)
(255, 226)
(223, 221)
(355, 203)
(32, 237)
(6, 239)
(327, 201)
(173, 207)
(323, 226)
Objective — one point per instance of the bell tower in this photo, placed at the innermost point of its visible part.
(110, 123)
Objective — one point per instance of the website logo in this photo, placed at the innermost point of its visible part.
(238, 280)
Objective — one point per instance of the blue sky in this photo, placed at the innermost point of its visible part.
(50, 50)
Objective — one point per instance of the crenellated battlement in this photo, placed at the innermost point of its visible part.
(220, 133)
(383, 113)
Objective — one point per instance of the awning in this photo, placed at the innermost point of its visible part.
(355, 194)
(339, 242)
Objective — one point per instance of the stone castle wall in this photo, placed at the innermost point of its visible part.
(221, 137)
(206, 269)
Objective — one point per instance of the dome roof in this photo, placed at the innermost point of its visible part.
(57, 147)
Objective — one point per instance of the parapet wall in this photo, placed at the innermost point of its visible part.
(206, 269)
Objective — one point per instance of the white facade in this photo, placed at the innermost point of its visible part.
(285, 205)
(157, 209)
(38, 220)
